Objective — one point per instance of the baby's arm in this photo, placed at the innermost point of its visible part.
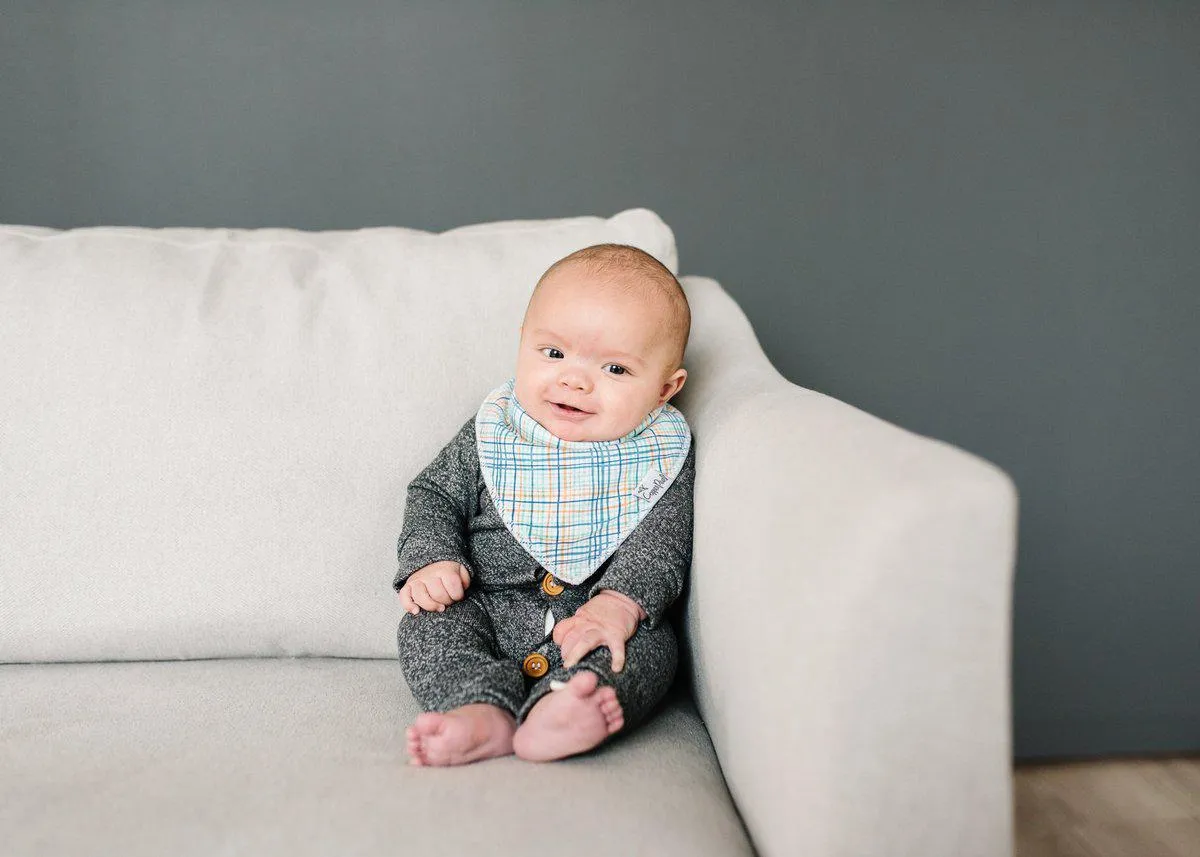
(652, 564)
(432, 550)
(640, 582)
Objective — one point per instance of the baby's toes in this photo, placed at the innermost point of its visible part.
(615, 716)
(583, 683)
(611, 709)
(427, 724)
(416, 751)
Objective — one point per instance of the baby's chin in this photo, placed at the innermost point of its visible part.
(583, 432)
(576, 433)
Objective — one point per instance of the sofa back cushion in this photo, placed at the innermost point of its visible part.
(206, 435)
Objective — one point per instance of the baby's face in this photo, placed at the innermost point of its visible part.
(593, 361)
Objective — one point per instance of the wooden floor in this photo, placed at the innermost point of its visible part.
(1126, 808)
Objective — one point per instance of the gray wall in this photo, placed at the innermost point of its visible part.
(981, 225)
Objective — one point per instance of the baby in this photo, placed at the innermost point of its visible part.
(543, 545)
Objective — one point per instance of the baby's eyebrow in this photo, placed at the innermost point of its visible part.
(629, 358)
(620, 355)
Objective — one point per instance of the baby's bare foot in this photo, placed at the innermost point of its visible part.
(569, 721)
(466, 734)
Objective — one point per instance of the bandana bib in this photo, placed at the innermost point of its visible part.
(568, 503)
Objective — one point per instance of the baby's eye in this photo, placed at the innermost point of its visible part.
(553, 353)
(615, 369)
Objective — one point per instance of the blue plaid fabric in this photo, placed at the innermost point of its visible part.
(570, 504)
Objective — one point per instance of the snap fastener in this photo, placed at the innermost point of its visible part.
(551, 586)
(535, 665)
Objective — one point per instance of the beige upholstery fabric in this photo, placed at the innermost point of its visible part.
(211, 431)
(849, 613)
(306, 757)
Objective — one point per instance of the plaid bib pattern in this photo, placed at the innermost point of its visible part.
(570, 504)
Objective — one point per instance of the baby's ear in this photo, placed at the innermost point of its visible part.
(673, 385)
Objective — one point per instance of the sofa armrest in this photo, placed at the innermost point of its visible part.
(848, 617)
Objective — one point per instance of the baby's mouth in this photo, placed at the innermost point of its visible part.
(560, 408)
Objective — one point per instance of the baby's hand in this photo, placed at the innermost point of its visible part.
(607, 619)
(434, 587)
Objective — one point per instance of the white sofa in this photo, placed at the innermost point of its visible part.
(205, 437)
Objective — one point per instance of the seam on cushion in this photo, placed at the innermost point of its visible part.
(142, 237)
(138, 232)
(352, 237)
(142, 232)
(522, 225)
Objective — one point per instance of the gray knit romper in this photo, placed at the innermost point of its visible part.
(477, 650)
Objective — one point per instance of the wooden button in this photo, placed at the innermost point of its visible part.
(551, 586)
(535, 665)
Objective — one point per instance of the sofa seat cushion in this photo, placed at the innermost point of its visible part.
(307, 756)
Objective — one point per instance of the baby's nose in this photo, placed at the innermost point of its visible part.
(574, 379)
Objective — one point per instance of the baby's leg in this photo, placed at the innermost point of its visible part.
(451, 665)
(596, 702)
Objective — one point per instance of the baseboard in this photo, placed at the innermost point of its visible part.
(1088, 737)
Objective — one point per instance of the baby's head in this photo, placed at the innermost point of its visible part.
(602, 343)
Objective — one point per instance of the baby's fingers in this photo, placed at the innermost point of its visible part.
(437, 591)
(453, 585)
(579, 645)
(617, 646)
(420, 594)
(562, 628)
(406, 600)
(571, 654)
